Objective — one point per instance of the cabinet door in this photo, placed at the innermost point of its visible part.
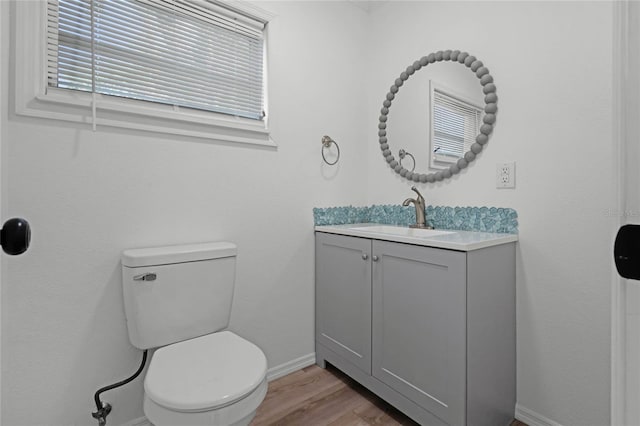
(419, 325)
(343, 297)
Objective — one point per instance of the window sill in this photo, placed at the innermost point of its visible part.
(145, 116)
(444, 158)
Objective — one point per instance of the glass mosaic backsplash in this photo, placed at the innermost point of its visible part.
(481, 219)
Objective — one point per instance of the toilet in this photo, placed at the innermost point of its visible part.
(178, 299)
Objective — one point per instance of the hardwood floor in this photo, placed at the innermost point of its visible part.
(316, 397)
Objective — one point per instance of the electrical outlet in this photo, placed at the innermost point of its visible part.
(506, 175)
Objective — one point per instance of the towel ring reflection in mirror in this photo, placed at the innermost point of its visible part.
(326, 144)
(402, 153)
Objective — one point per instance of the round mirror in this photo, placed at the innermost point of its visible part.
(443, 121)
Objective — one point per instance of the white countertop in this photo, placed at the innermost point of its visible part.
(447, 239)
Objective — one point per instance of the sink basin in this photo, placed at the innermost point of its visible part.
(404, 232)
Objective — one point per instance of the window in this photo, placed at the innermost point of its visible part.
(455, 125)
(191, 67)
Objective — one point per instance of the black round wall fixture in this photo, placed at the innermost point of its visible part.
(626, 252)
(15, 236)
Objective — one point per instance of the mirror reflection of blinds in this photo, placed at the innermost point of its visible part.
(455, 126)
(191, 54)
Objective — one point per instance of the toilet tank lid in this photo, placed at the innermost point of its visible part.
(177, 254)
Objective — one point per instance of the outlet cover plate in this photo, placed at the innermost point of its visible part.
(506, 175)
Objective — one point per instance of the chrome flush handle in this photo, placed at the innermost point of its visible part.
(149, 276)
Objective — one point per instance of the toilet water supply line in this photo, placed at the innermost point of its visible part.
(105, 408)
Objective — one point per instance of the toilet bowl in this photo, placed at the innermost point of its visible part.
(217, 379)
(178, 299)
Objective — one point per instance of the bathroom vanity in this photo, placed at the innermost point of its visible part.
(424, 319)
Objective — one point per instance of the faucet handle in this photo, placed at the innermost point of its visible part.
(414, 189)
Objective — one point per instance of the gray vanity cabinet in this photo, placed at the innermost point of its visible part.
(430, 330)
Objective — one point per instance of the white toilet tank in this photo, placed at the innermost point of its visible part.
(176, 293)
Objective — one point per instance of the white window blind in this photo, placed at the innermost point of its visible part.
(187, 53)
(456, 124)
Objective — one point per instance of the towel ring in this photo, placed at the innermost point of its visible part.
(326, 143)
(402, 153)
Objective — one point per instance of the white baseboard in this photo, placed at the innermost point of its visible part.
(141, 421)
(291, 366)
(272, 374)
(532, 418)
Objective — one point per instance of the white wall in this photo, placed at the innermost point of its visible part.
(552, 66)
(90, 195)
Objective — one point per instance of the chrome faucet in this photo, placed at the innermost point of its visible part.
(418, 202)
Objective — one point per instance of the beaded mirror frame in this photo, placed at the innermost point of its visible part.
(489, 119)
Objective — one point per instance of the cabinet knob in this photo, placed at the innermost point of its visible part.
(375, 258)
(365, 256)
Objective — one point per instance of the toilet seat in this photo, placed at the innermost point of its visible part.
(205, 373)
(240, 413)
